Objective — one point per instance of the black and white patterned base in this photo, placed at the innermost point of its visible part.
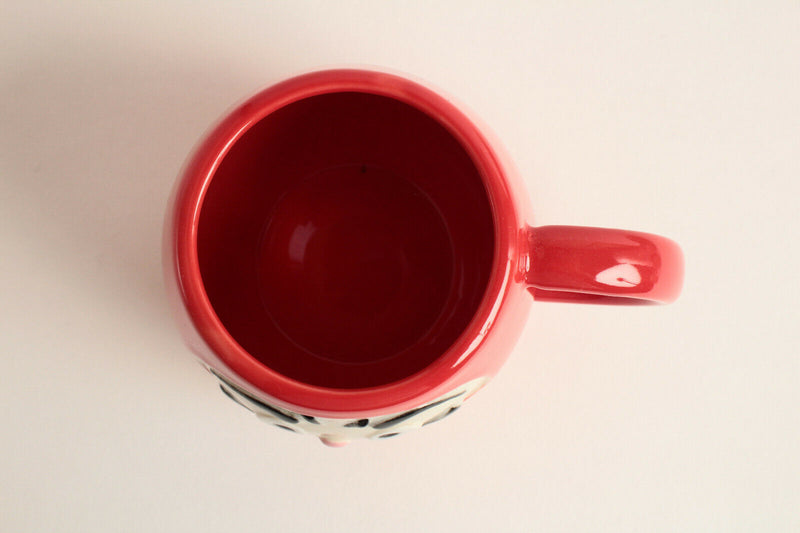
(338, 431)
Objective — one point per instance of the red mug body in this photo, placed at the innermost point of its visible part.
(350, 255)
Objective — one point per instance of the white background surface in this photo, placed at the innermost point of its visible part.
(682, 120)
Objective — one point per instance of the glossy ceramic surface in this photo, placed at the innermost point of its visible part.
(349, 245)
(346, 240)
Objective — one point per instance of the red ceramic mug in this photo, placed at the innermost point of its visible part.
(350, 256)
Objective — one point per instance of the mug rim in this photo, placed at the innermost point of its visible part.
(427, 383)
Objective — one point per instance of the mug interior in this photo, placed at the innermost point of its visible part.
(346, 240)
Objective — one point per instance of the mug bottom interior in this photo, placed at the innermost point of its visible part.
(346, 240)
(355, 265)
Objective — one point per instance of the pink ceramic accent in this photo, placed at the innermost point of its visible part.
(349, 244)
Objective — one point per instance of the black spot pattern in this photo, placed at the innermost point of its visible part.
(224, 389)
(258, 403)
(408, 414)
(443, 415)
(255, 405)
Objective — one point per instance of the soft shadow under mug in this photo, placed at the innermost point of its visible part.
(349, 254)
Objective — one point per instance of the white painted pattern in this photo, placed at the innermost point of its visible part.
(339, 431)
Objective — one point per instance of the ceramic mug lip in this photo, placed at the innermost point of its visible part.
(429, 382)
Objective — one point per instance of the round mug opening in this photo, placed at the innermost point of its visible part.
(346, 240)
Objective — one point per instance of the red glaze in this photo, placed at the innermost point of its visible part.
(348, 243)
(600, 265)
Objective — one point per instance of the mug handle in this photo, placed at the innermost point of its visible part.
(601, 265)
